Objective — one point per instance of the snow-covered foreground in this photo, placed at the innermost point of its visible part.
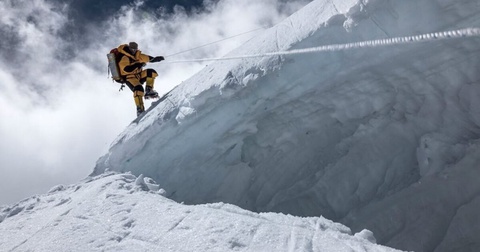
(120, 212)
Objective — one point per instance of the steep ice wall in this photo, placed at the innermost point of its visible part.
(384, 138)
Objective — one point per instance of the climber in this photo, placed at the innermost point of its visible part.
(130, 66)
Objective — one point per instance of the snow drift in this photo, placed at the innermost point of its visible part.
(121, 212)
(383, 138)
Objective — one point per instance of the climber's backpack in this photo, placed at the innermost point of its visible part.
(113, 59)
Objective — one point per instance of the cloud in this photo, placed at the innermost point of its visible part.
(59, 111)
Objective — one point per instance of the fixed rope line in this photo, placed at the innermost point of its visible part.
(461, 33)
(211, 43)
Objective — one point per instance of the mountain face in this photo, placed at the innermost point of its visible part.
(385, 138)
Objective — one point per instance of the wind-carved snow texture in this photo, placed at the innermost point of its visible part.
(384, 139)
(121, 212)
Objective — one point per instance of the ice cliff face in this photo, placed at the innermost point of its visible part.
(384, 138)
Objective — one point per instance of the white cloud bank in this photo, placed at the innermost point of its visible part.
(59, 112)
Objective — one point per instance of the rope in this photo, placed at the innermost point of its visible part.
(215, 42)
(462, 33)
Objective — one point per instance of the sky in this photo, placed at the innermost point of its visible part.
(59, 112)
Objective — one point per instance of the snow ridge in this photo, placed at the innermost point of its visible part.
(116, 212)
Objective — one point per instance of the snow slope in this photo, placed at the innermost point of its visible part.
(384, 138)
(120, 212)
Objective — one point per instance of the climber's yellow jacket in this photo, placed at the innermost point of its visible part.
(132, 64)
